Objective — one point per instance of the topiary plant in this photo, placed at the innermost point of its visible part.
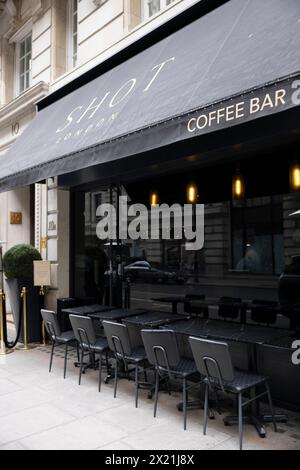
(18, 261)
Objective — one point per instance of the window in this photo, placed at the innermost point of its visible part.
(72, 34)
(151, 7)
(24, 64)
(257, 236)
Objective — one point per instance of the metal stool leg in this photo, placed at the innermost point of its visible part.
(51, 357)
(100, 371)
(106, 361)
(116, 378)
(156, 393)
(81, 366)
(271, 406)
(145, 373)
(205, 409)
(136, 385)
(66, 358)
(240, 420)
(184, 404)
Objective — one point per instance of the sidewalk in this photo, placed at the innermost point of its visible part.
(39, 410)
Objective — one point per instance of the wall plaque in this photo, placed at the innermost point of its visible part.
(15, 218)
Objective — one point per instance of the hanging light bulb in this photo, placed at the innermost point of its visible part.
(295, 177)
(238, 186)
(192, 193)
(154, 198)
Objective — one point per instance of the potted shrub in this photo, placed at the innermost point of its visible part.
(18, 269)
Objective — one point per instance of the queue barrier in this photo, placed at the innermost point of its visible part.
(7, 346)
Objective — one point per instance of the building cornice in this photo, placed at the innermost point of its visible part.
(24, 103)
(38, 8)
(13, 23)
(21, 31)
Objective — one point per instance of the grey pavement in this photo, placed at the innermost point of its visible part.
(40, 411)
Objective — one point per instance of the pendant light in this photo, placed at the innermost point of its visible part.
(154, 198)
(238, 186)
(192, 193)
(295, 177)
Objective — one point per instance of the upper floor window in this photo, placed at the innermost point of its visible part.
(151, 7)
(24, 54)
(72, 34)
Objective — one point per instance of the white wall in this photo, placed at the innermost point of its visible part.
(15, 201)
(41, 48)
(98, 28)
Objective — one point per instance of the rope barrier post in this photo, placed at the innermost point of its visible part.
(25, 346)
(3, 350)
(42, 294)
(24, 299)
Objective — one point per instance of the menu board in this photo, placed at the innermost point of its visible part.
(42, 273)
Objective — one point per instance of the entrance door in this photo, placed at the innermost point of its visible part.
(97, 263)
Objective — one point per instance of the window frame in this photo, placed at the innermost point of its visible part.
(144, 9)
(18, 43)
(71, 64)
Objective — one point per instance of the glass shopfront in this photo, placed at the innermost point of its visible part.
(247, 245)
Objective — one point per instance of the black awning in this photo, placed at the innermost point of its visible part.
(238, 63)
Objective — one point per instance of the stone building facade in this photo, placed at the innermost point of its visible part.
(45, 44)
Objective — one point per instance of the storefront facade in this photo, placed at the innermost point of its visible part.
(245, 245)
(205, 109)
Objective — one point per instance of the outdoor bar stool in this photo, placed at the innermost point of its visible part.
(214, 363)
(227, 309)
(163, 353)
(89, 343)
(57, 337)
(263, 312)
(120, 344)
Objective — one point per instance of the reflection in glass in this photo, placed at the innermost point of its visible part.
(153, 7)
(240, 239)
(258, 244)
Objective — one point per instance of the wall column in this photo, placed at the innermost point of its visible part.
(132, 14)
(58, 242)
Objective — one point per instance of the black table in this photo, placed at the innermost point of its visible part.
(117, 314)
(229, 331)
(174, 300)
(87, 309)
(202, 303)
(283, 342)
(154, 319)
(243, 305)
